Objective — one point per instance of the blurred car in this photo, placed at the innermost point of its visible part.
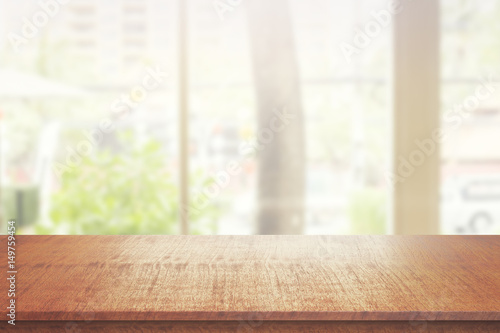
(471, 204)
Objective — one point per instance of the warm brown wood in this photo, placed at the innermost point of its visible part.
(257, 278)
(265, 326)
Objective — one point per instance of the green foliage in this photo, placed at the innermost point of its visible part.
(368, 212)
(112, 193)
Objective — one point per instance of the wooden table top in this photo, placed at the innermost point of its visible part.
(344, 278)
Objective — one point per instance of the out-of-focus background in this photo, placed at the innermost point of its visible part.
(249, 116)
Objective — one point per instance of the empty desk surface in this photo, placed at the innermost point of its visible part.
(256, 283)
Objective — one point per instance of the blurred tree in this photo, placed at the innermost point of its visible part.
(126, 193)
(281, 155)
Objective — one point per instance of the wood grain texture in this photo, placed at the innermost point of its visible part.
(264, 326)
(257, 278)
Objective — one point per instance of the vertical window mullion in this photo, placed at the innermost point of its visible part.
(415, 176)
(183, 118)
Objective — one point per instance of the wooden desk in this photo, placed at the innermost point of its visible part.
(256, 283)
